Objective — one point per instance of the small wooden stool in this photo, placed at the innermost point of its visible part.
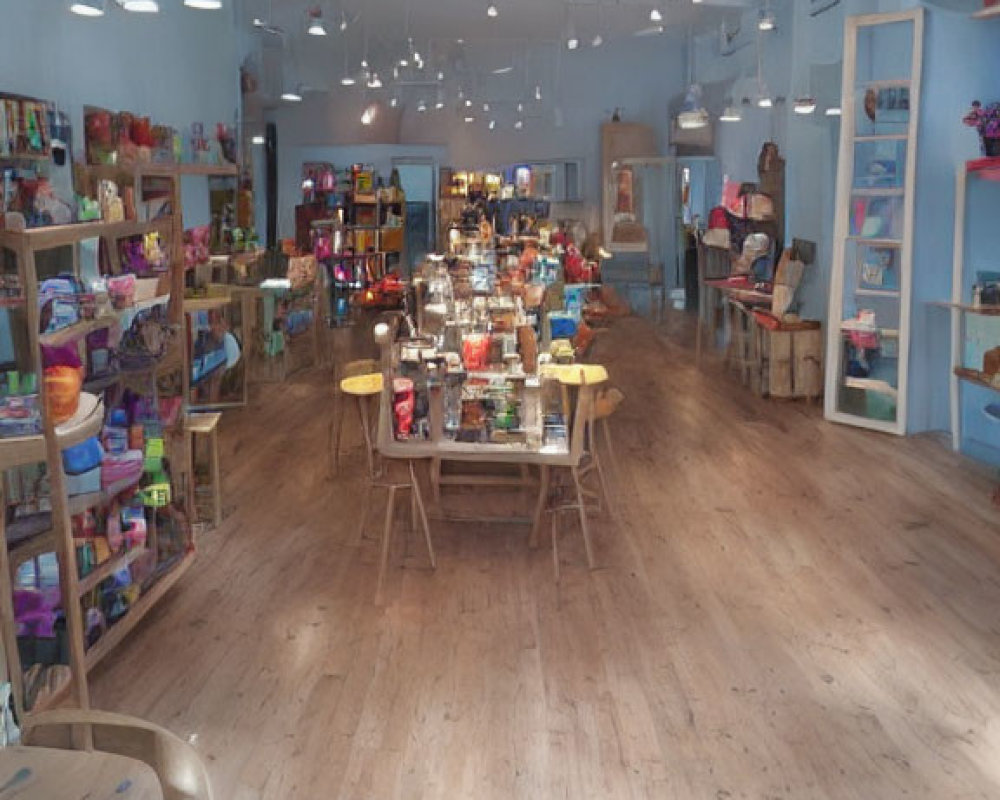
(362, 388)
(351, 370)
(206, 424)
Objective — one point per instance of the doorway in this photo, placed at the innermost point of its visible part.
(418, 177)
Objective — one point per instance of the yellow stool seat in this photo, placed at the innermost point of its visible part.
(362, 385)
(569, 374)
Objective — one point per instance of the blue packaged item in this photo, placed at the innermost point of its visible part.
(116, 431)
(562, 326)
(83, 457)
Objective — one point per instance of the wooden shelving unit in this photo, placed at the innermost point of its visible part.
(47, 447)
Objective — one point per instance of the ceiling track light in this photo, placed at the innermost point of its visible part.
(805, 105)
(140, 6)
(204, 5)
(731, 114)
(88, 8)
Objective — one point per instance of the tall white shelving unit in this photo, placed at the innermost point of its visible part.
(967, 346)
(868, 338)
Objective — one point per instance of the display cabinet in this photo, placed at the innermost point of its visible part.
(869, 332)
(95, 534)
(975, 312)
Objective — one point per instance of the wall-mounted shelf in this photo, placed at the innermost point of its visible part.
(993, 12)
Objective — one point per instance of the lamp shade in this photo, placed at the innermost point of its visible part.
(88, 8)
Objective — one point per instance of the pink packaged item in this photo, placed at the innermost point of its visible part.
(121, 469)
(121, 290)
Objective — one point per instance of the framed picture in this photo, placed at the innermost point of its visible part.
(878, 268)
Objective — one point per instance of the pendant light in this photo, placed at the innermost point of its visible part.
(292, 94)
(833, 111)
(88, 8)
(346, 79)
(491, 11)
(519, 125)
(316, 26)
(493, 124)
(805, 105)
(731, 113)
(656, 15)
(204, 5)
(765, 19)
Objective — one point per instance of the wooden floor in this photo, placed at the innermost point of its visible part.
(793, 609)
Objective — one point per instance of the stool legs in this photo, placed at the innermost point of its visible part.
(417, 506)
(418, 497)
(383, 561)
(582, 510)
(543, 496)
(216, 479)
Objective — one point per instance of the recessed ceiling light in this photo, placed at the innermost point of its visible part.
(88, 8)
(204, 5)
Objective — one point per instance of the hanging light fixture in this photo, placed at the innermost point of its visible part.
(597, 41)
(519, 125)
(258, 139)
(140, 6)
(538, 93)
(656, 15)
(693, 114)
(833, 111)
(316, 27)
(374, 82)
(204, 5)
(765, 19)
(486, 108)
(731, 113)
(469, 119)
(293, 94)
(493, 124)
(347, 79)
(805, 105)
(491, 11)
(368, 115)
(421, 106)
(393, 102)
(88, 8)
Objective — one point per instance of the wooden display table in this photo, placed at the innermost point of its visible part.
(207, 424)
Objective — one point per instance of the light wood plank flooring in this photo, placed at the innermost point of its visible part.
(792, 609)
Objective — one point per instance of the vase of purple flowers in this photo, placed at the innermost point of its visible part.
(986, 120)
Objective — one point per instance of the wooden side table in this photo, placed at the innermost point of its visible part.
(206, 424)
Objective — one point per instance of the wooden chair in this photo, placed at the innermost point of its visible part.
(181, 772)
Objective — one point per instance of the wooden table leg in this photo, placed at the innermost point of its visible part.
(383, 561)
(423, 515)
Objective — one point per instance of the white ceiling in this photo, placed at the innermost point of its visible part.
(454, 36)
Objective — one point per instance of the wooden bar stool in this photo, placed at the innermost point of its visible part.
(207, 424)
(592, 376)
(362, 381)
